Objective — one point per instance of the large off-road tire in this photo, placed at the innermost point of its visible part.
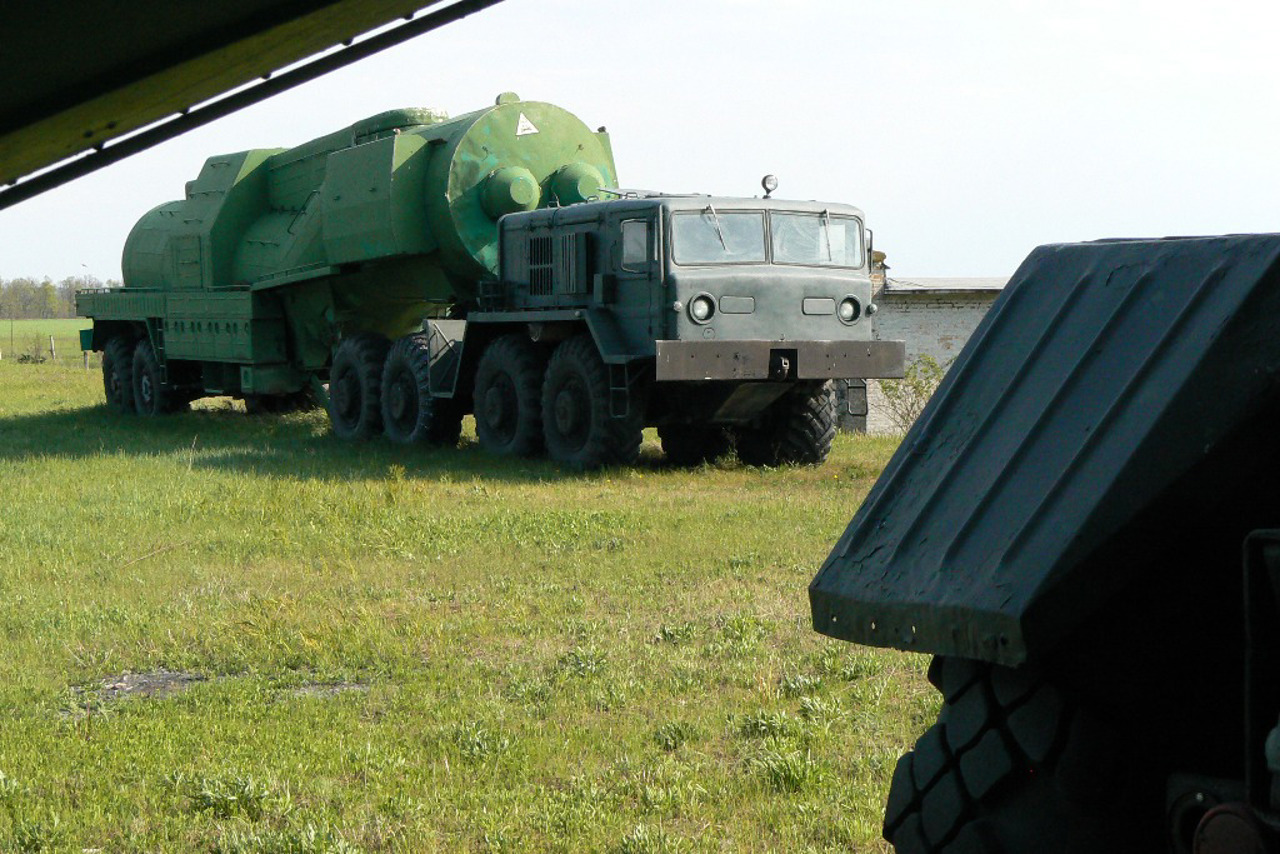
(150, 396)
(355, 386)
(576, 420)
(409, 412)
(1015, 765)
(117, 375)
(508, 397)
(796, 430)
(694, 444)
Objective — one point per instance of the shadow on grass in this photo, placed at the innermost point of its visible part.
(293, 446)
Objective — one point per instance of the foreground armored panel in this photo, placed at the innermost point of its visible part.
(1109, 381)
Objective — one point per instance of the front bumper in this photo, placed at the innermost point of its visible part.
(751, 360)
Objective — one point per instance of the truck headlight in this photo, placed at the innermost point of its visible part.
(701, 308)
(849, 310)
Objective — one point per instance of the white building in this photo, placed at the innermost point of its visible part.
(935, 317)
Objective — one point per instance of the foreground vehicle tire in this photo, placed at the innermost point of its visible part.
(150, 397)
(410, 414)
(355, 386)
(796, 430)
(508, 402)
(576, 421)
(117, 375)
(1014, 765)
(694, 444)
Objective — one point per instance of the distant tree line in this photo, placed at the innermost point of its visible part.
(32, 299)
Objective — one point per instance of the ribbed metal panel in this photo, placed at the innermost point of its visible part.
(1103, 374)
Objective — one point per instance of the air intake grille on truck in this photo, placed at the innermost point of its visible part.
(570, 275)
(541, 266)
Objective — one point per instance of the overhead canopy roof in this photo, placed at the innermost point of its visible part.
(83, 72)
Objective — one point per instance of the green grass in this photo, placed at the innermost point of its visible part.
(420, 650)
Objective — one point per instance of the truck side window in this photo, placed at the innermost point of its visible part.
(635, 244)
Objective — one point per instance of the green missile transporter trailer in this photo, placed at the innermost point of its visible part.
(411, 269)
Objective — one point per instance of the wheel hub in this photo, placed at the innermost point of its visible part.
(399, 399)
(567, 411)
(495, 406)
(1234, 828)
(344, 395)
(146, 388)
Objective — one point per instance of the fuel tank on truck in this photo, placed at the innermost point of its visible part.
(396, 214)
(1094, 459)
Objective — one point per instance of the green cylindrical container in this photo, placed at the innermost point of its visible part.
(395, 213)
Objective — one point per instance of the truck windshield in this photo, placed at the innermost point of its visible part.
(822, 239)
(718, 237)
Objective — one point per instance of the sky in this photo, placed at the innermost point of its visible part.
(968, 132)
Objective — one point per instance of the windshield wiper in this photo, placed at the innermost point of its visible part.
(826, 232)
(719, 233)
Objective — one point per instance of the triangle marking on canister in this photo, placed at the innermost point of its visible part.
(524, 127)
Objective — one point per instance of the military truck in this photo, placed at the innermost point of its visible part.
(1081, 529)
(411, 269)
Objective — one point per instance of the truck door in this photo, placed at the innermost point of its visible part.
(639, 279)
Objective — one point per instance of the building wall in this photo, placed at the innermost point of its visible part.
(933, 320)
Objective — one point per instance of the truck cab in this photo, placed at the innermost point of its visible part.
(718, 320)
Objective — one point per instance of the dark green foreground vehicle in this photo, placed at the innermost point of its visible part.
(411, 269)
(1081, 528)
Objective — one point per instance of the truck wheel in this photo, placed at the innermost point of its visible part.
(117, 375)
(150, 397)
(1012, 765)
(409, 413)
(796, 430)
(575, 410)
(694, 444)
(355, 386)
(508, 403)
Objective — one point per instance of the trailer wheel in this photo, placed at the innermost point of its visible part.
(796, 430)
(694, 444)
(117, 374)
(508, 402)
(409, 413)
(150, 397)
(576, 420)
(355, 386)
(1014, 764)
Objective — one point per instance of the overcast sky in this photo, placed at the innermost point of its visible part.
(968, 132)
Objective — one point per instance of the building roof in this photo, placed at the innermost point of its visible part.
(949, 285)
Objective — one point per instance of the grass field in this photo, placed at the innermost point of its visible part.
(31, 337)
(362, 648)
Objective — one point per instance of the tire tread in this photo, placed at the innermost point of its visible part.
(438, 421)
(368, 352)
(991, 775)
(117, 357)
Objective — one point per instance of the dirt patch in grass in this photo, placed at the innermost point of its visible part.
(158, 683)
